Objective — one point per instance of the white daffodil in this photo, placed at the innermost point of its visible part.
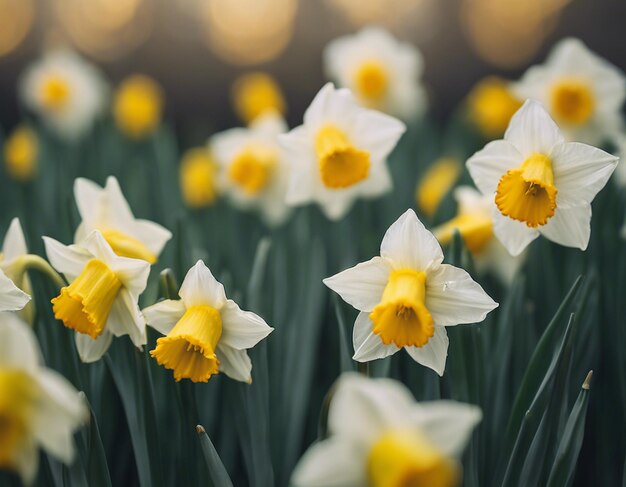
(205, 332)
(339, 153)
(101, 299)
(474, 221)
(380, 437)
(406, 297)
(382, 72)
(12, 298)
(106, 209)
(583, 92)
(255, 171)
(13, 249)
(38, 406)
(66, 91)
(539, 183)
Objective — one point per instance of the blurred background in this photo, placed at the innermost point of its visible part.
(196, 48)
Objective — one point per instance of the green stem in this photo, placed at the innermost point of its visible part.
(34, 262)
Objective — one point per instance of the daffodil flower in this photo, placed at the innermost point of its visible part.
(13, 249)
(256, 94)
(380, 437)
(382, 72)
(12, 298)
(101, 299)
(583, 93)
(474, 221)
(205, 332)
(255, 171)
(38, 406)
(66, 91)
(106, 209)
(540, 184)
(406, 297)
(138, 106)
(491, 104)
(198, 177)
(339, 153)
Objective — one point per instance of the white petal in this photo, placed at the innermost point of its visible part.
(19, 348)
(298, 148)
(27, 461)
(234, 363)
(580, 172)
(488, 165)
(60, 412)
(448, 424)
(12, 298)
(163, 315)
(376, 133)
(362, 286)
(378, 183)
(367, 345)
(91, 350)
(532, 131)
(241, 329)
(14, 244)
(570, 227)
(334, 462)
(330, 105)
(453, 297)
(337, 205)
(432, 355)
(88, 196)
(119, 212)
(125, 318)
(152, 235)
(514, 235)
(201, 288)
(67, 259)
(407, 243)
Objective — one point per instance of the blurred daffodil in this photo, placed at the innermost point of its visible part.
(583, 93)
(406, 297)
(106, 209)
(12, 298)
(198, 178)
(20, 154)
(255, 171)
(14, 250)
(339, 153)
(205, 332)
(66, 91)
(436, 183)
(382, 72)
(38, 406)
(138, 106)
(256, 94)
(101, 299)
(491, 104)
(474, 221)
(380, 437)
(539, 183)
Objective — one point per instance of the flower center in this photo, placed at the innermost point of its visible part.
(198, 175)
(371, 81)
(55, 92)
(189, 349)
(341, 164)
(528, 194)
(252, 168)
(408, 459)
(126, 246)
(85, 304)
(138, 106)
(475, 228)
(572, 101)
(491, 106)
(18, 396)
(401, 317)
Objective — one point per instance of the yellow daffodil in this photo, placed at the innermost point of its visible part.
(339, 153)
(101, 299)
(538, 183)
(380, 437)
(491, 104)
(382, 72)
(138, 106)
(13, 250)
(198, 178)
(66, 91)
(37, 405)
(582, 92)
(256, 94)
(205, 332)
(406, 297)
(106, 209)
(255, 171)
(20, 154)
(436, 183)
(474, 221)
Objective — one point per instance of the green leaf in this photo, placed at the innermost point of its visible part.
(217, 471)
(97, 469)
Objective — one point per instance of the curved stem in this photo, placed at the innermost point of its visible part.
(34, 262)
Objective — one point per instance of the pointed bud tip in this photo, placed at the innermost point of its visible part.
(587, 383)
(200, 429)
